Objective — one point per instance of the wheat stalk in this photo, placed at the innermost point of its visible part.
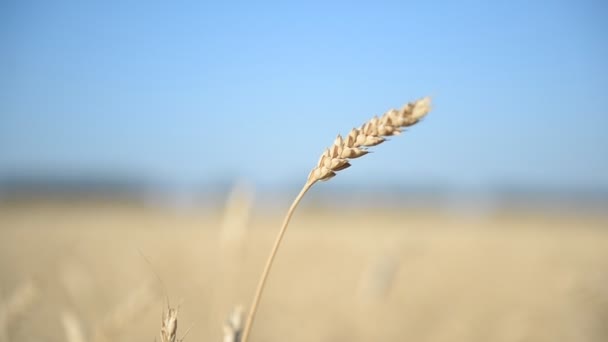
(376, 282)
(233, 233)
(125, 312)
(336, 158)
(16, 306)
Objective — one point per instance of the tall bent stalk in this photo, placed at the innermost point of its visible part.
(336, 158)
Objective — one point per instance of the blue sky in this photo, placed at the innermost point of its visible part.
(188, 92)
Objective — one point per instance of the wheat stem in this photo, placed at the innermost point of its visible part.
(275, 248)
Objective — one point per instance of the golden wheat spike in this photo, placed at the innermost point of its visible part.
(168, 330)
(372, 133)
(336, 158)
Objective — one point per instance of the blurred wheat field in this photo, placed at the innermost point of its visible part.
(341, 275)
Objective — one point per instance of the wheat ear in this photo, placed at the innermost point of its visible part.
(336, 158)
(168, 330)
(233, 327)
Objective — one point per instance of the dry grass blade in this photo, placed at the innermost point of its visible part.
(336, 158)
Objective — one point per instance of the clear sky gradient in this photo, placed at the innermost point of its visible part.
(188, 92)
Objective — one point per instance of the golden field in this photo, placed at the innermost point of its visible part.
(341, 274)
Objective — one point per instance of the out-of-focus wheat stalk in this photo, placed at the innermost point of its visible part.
(72, 326)
(233, 328)
(233, 233)
(336, 158)
(15, 306)
(127, 311)
(232, 237)
(237, 213)
(377, 280)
